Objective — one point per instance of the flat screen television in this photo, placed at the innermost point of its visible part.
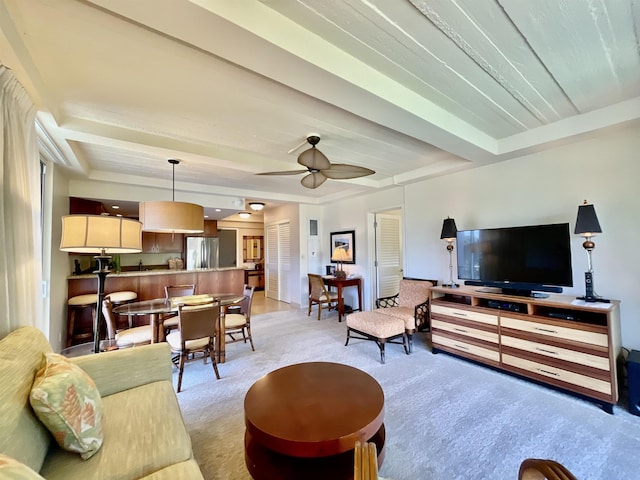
(518, 260)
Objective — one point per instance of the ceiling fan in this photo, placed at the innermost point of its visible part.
(319, 168)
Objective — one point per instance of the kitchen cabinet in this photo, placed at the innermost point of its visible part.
(153, 242)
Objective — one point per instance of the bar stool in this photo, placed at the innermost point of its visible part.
(78, 304)
(120, 298)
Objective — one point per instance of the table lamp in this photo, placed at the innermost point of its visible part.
(340, 255)
(103, 235)
(448, 233)
(587, 225)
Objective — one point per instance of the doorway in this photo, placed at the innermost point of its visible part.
(388, 262)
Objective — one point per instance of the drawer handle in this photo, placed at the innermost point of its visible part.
(461, 347)
(548, 372)
(546, 351)
(460, 314)
(545, 330)
(461, 330)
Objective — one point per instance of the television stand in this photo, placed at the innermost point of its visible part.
(558, 341)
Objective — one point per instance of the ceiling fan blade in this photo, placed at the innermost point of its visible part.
(287, 172)
(313, 180)
(340, 171)
(314, 159)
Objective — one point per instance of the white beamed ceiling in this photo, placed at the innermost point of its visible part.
(409, 88)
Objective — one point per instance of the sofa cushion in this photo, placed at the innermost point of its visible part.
(11, 469)
(23, 436)
(188, 470)
(143, 433)
(67, 401)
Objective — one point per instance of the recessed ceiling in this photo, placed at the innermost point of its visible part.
(411, 89)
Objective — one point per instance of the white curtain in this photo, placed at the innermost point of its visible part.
(20, 234)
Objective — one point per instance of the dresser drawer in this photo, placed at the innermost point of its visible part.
(601, 363)
(438, 324)
(470, 315)
(554, 331)
(559, 374)
(464, 347)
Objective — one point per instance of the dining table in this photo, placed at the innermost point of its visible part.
(159, 306)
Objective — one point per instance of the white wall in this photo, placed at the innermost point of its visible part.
(545, 187)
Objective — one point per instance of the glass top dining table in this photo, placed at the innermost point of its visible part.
(158, 306)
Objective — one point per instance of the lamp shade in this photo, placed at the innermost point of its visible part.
(171, 217)
(449, 229)
(587, 223)
(100, 233)
(340, 255)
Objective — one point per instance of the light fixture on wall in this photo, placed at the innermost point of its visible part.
(244, 214)
(172, 217)
(587, 225)
(103, 235)
(448, 233)
(257, 206)
(340, 256)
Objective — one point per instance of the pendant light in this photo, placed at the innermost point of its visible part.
(172, 217)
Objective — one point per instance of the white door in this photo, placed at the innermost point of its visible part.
(388, 253)
(278, 262)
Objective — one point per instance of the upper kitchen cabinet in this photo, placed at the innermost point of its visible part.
(210, 229)
(153, 242)
(82, 206)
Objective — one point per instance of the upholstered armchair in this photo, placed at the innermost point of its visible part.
(411, 304)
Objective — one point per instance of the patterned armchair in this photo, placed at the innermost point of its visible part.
(411, 304)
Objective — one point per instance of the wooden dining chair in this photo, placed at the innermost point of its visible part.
(170, 320)
(196, 333)
(239, 322)
(319, 295)
(128, 337)
(543, 469)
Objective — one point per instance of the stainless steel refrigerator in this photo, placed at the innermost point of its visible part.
(202, 252)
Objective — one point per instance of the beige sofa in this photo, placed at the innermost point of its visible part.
(144, 433)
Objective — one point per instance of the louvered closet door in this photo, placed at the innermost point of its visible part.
(278, 262)
(284, 253)
(389, 254)
(271, 262)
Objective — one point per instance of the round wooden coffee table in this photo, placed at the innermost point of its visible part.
(302, 421)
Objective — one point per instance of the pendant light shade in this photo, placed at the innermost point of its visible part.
(172, 217)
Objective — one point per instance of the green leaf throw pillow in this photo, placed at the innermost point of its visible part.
(11, 469)
(67, 402)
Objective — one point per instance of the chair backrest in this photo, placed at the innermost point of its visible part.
(171, 291)
(107, 312)
(198, 321)
(539, 469)
(317, 287)
(245, 304)
(413, 292)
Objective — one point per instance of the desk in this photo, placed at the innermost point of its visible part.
(154, 308)
(332, 281)
(302, 421)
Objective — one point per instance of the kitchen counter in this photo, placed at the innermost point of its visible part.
(139, 273)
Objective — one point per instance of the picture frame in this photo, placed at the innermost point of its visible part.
(346, 240)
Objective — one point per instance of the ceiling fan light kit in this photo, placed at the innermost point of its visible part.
(319, 168)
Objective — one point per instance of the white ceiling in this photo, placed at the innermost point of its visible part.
(409, 88)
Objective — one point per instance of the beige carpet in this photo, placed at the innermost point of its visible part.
(446, 418)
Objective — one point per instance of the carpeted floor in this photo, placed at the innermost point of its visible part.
(445, 418)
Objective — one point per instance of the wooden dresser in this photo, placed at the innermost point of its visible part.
(559, 341)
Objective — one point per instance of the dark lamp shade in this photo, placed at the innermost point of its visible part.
(449, 229)
(587, 223)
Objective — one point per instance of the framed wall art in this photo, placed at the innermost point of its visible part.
(345, 241)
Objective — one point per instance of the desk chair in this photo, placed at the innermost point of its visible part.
(319, 295)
